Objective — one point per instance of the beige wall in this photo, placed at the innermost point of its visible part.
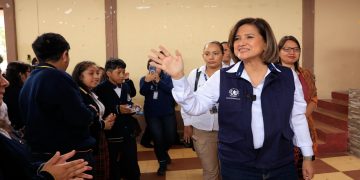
(81, 22)
(188, 25)
(142, 25)
(337, 47)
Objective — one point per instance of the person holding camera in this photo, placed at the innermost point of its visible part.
(159, 111)
(203, 129)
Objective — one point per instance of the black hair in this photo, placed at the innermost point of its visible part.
(114, 63)
(216, 43)
(12, 72)
(50, 47)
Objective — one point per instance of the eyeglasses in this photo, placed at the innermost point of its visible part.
(289, 49)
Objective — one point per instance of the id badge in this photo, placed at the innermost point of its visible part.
(155, 95)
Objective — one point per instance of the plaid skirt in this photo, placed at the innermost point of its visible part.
(102, 164)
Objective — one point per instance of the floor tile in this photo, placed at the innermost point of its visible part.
(184, 164)
(194, 174)
(332, 176)
(152, 176)
(354, 174)
(343, 163)
(321, 167)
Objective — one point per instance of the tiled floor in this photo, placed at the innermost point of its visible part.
(186, 166)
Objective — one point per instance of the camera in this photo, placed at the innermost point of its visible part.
(152, 69)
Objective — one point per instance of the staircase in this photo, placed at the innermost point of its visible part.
(331, 123)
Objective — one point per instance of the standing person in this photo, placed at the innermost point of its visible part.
(51, 105)
(227, 60)
(16, 72)
(115, 95)
(159, 111)
(86, 75)
(204, 129)
(16, 160)
(289, 53)
(261, 106)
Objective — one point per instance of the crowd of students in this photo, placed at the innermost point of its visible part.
(247, 111)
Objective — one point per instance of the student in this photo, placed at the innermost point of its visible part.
(16, 72)
(86, 75)
(204, 129)
(16, 159)
(115, 95)
(261, 106)
(51, 105)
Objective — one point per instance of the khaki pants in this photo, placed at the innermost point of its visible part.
(206, 147)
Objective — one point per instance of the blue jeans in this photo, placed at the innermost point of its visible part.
(163, 130)
(286, 172)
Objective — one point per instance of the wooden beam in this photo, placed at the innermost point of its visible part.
(111, 29)
(308, 33)
(8, 7)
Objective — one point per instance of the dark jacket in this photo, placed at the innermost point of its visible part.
(277, 98)
(97, 125)
(11, 98)
(165, 103)
(125, 124)
(55, 115)
(15, 162)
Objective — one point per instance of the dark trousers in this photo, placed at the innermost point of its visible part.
(146, 138)
(163, 130)
(286, 172)
(123, 160)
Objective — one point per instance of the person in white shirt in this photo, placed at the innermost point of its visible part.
(261, 106)
(227, 60)
(203, 129)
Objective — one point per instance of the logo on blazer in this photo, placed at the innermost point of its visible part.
(234, 93)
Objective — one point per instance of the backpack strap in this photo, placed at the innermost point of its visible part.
(197, 79)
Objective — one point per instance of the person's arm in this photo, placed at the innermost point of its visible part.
(165, 84)
(300, 127)
(202, 100)
(144, 86)
(192, 104)
(132, 90)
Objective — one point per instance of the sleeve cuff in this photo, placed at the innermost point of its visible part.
(307, 151)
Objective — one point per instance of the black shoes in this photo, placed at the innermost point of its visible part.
(162, 169)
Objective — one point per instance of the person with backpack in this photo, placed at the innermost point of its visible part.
(203, 129)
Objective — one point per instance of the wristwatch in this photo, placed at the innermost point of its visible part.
(309, 158)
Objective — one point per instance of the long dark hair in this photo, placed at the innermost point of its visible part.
(282, 42)
(13, 71)
(78, 70)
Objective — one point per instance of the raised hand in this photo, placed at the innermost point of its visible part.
(172, 65)
(109, 121)
(60, 169)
